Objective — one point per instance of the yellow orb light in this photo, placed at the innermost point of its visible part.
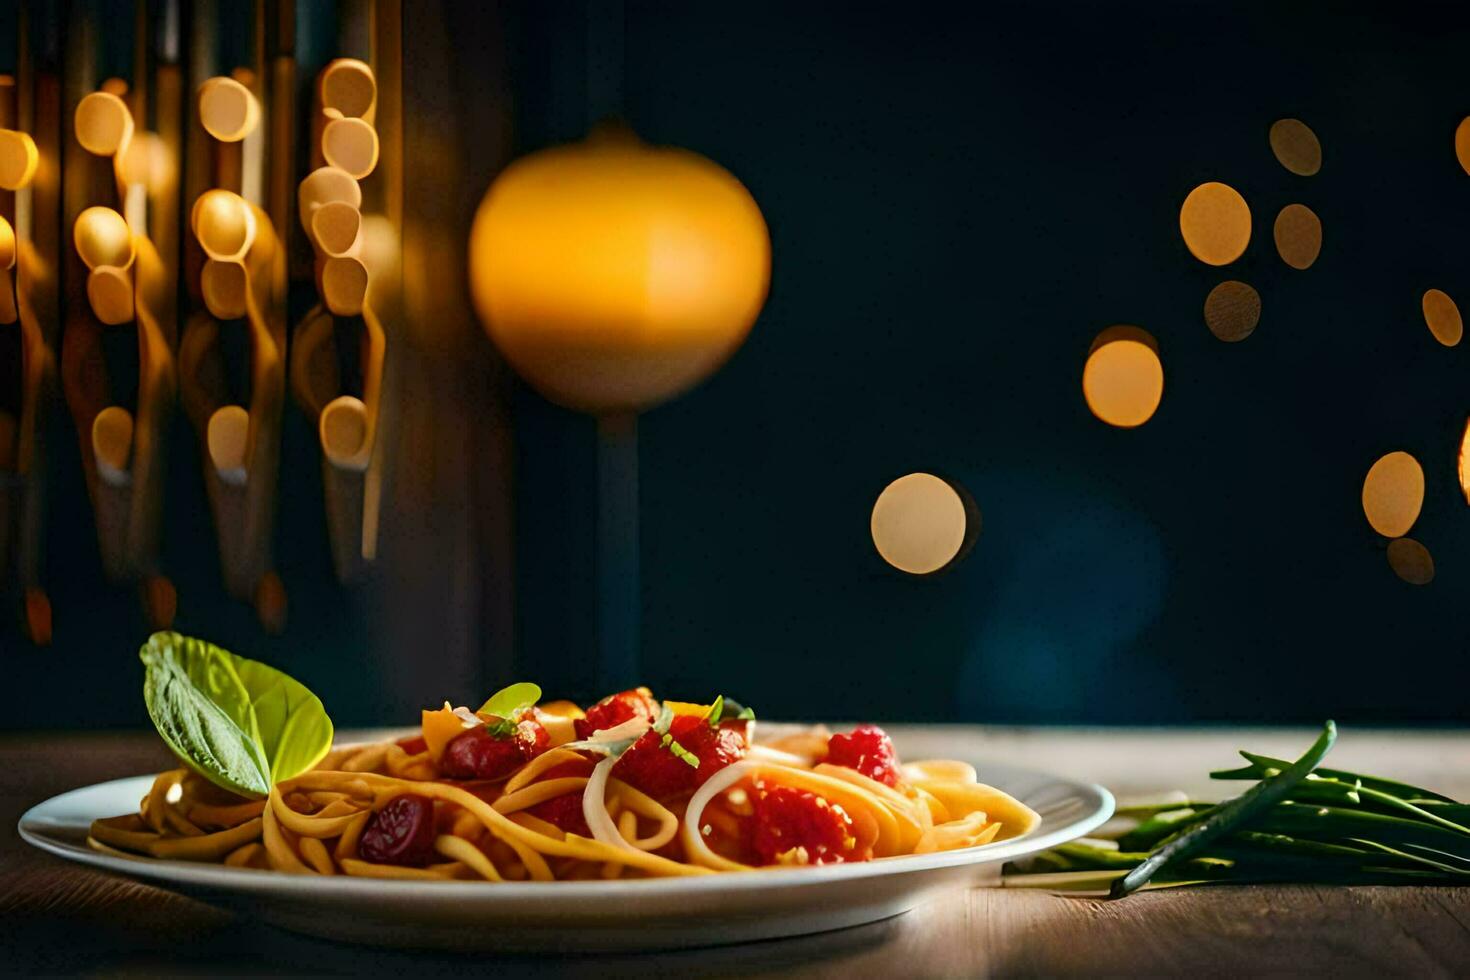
(614, 275)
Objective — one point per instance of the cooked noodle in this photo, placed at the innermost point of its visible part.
(314, 823)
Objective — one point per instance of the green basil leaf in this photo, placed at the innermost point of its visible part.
(505, 702)
(294, 729)
(202, 710)
(240, 724)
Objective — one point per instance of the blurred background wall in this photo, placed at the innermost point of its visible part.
(959, 200)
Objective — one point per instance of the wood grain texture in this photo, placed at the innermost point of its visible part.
(55, 917)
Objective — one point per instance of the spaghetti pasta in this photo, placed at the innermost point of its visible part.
(628, 788)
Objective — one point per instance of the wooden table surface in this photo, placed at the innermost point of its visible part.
(56, 917)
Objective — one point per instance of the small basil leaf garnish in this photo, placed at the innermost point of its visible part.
(505, 702)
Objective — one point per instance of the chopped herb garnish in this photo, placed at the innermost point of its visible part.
(681, 753)
(501, 728)
(662, 725)
(715, 711)
(730, 708)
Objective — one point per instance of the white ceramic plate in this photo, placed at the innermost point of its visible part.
(579, 915)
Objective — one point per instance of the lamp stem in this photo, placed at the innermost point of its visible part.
(619, 596)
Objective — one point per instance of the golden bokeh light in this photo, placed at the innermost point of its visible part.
(103, 124)
(1232, 310)
(8, 246)
(228, 440)
(228, 111)
(1123, 380)
(112, 443)
(1442, 317)
(223, 223)
(1393, 494)
(1298, 234)
(351, 145)
(102, 238)
(1296, 147)
(347, 86)
(18, 159)
(337, 228)
(1463, 463)
(921, 524)
(110, 294)
(614, 275)
(1462, 144)
(1411, 561)
(1216, 223)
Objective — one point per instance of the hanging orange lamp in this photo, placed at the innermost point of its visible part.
(614, 275)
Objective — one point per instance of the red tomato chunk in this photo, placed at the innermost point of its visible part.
(480, 753)
(652, 767)
(793, 826)
(402, 832)
(869, 750)
(615, 709)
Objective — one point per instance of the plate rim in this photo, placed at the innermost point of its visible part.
(219, 878)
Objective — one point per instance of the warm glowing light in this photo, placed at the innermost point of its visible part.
(1296, 147)
(337, 228)
(347, 86)
(1393, 493)
(18, 159)
(344, 285)
(103, 124)
(8, 248)
(1232, 310)
(343, 428)
(228, 110)
(1411, 561)
(920, 524)
(1462, 144)
(227, 437)
(1216, 223)
(1442, 317)
(323, 186)
(147, 161)
(224, 224)
(224, 285)
(112, 443)
(1464, 462)
(102, 238)
(1123, 380)
(351, 145)
(1298, 234)
(110, 294)
(613, 274)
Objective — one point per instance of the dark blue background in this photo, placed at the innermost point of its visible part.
(958, 202)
